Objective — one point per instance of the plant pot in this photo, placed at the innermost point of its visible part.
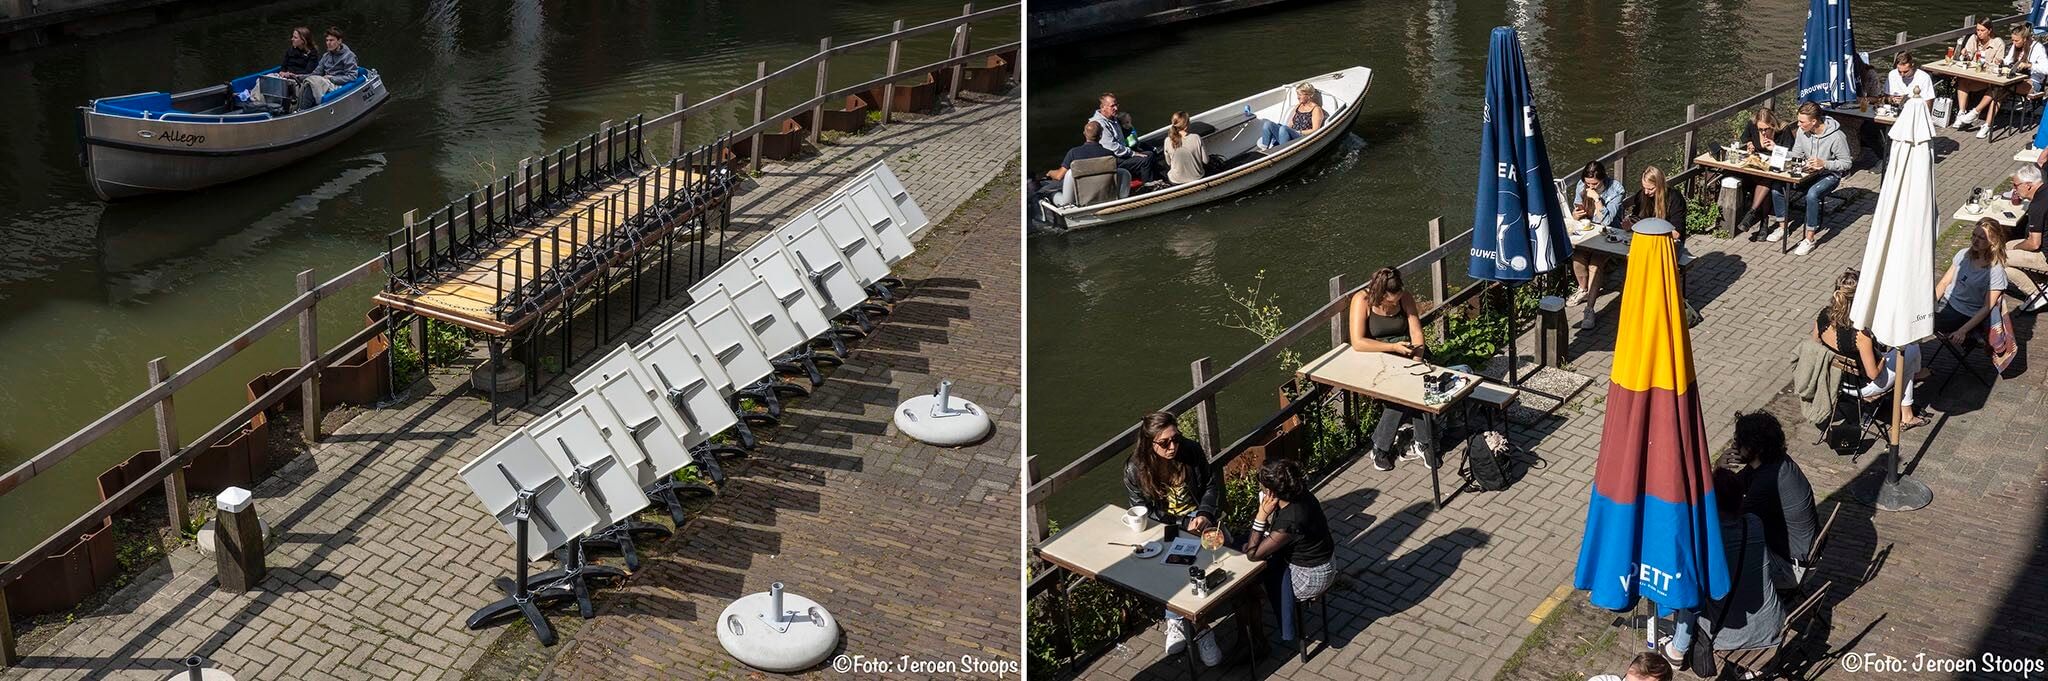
(1286, 441)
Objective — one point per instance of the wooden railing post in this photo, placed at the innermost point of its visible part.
(1205, 411)
(760, 100)
(818, 112)
(1692, 113)
(309, 353)
(167, 443)
(889, 88)
(1438, 276)
(1900, 39)
(1338, 334)
(8, 655)
(675, 140)
(959, 49)
(1771, 81)
(1621, 157)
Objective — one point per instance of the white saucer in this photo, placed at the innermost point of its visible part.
(1150, 549)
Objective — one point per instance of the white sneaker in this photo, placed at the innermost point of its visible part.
(1176, 636)
(1211, 654)
(1776, 234)
(1414, 452)
(1805, 246)
(1967, 118)
(1578, 296)
(1983, 131)
(2035, 303)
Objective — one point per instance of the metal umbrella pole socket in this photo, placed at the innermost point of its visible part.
(194, 669)
(777, 631)
(939, 419)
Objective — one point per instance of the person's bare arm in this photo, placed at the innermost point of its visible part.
(1868, 351)
(1415, 338)
(1316, 122)
(1056, 174)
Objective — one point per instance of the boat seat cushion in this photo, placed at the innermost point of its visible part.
(144, 105)
(1096, 181)
(362, 74)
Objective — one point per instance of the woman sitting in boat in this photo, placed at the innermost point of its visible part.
(1384, 318)
(1308, 117)
(301, 57)
(1184, 153)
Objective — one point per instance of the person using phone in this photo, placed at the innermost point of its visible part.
(1170, 476)
(1290, 530)
(1384, 318)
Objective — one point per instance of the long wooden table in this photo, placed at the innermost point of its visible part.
(1709, 161)
(1987, 76)
(1091, 549)
(1390, 378)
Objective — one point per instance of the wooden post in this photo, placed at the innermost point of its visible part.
(238, 542)
(824, 65)
(1205, 410)
(889, 88)
(760, 100)
(675, 140)
(1338, 332)
(1039, 528)
(1438, 276)
(167, 443)
(8, 655)
(959, 50)
(1621, 158)
(1692, 113)
(309, 353)
(1900, 39)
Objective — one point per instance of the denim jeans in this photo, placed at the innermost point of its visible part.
(1781, 198)
(1681, 630)
(1391, 418)
(1276, 134)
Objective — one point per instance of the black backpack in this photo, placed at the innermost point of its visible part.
(1487, 452)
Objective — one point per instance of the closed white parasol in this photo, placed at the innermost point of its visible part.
(1895, 294)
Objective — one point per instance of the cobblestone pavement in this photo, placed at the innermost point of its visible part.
(380, 552)
(1450, 594)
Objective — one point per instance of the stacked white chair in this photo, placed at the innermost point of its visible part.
(577, 476)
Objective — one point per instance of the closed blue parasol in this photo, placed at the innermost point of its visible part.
(2038, 16)
(1828, 71)
(1517, 224)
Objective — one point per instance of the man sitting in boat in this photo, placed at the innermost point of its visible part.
(1137, 162)
(1091, 147)
(336, 68)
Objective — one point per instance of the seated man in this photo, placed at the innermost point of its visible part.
(1907, 81)
(1818, 140)
(337, 67)
(1114, 132)
(2023, 256)
(1090, 148)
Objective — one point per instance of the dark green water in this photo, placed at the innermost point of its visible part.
(90, 291)
(1118, 312)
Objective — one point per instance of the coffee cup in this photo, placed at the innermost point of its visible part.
(1137, 520)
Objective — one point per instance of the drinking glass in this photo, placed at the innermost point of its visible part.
(1211, 541)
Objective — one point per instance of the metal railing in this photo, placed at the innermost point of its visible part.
(1201, 398)
(158, 397)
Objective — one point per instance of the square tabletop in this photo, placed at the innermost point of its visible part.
(1084, 548)
(2004, 212)
(2027, 155)
(1708, 160)
(1612, 241)
(1382, 376)
(1958, 70)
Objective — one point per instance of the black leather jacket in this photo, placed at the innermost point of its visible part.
(1201, 477)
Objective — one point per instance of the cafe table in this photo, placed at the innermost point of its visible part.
(1765, 173)
(1099, 548)
(1958, 70)
(1392, 378)
(2004, 212)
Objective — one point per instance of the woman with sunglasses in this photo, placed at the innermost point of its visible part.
(1170, 476)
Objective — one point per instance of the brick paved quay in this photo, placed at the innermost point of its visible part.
(380, 553)
(1450, 594)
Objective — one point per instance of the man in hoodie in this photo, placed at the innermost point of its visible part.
(337, 67)
(1820, 141)
(1113, 134)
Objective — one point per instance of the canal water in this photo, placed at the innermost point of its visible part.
(90, 291)
(1118, 312)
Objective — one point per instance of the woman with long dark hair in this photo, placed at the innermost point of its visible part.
(1290, 530)
(1596, 197)
(1385, 318)
(302, 55)
(1170, 476)
(1832, 328)
(1776, 492)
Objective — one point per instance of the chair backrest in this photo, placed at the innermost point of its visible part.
(823, 264)
(888, 223)
(778, 270)
(763, 312)
(730, 338)
(1820, 539)
(914, 220)
(685, 333)
(565, 514)
(625, 386)
(847, 232)
(572, 438)
(1095, 180)
(683, 378)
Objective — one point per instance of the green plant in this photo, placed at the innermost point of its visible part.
(690, 474)
(1704, 217)
(1189, 426)
(874, 118)
(1096, 614)
(445, 343)
(1260, 316)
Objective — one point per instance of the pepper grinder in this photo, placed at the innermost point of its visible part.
(1200, 585)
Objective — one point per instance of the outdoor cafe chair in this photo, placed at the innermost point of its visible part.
(1765, 661)
(1976, 341)
(1865, 411)
(1301, 611)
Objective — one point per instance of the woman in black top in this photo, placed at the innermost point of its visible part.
(1760, 135)
(1290, 530)
(1658, 200)
(1384, 318)
(303, 56)
(1832, 328)
(1776, 490)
